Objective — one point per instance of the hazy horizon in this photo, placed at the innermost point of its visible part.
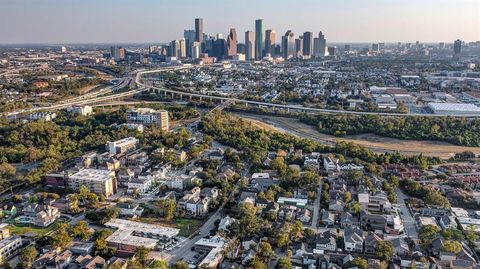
(159, 21)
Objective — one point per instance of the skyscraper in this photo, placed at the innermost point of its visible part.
(174, 48)
(270, 37)
(457, 47)
(320, 46)
(288, 45)
(195, 50)
(375, 47)
(199, 30)
(259, 39)
(250, 45)
(299, 47)
(232, 43)
(189, 36)
(182, 48)
(308, 44)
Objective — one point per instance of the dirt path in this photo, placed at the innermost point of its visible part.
(376, 143)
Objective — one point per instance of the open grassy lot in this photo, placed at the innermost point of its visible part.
(186, 226)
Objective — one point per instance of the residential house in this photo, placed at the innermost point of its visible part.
(196, 202)
(326, 241)
(371, 241)
(353, 240)
(39, 215)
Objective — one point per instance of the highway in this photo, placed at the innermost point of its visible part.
(139, 82)
(144, 87)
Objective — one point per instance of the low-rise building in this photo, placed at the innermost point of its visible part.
(98, 181)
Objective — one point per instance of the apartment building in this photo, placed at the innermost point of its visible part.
(122, 146)
(148, 116)
(96, 180)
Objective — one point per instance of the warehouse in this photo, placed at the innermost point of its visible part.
(454, 109)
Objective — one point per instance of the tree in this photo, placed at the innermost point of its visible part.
(29, 254)
(180, 265)
(436, 198)
(265, 252)
(428, 232)
(356, 207)
(257, 263)
(359, 263)
(283, 239)
(158, 264)
(283, 263)
(452, 246)
(7, 170)
(347, 197)
(249, 222)
(82, 231)
(384, 250)
(141, 254)
(61, 238)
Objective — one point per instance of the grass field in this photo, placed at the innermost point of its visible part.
(23, 229)
(186, 226)
(374, 142)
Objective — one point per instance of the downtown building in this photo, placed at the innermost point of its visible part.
(232, 43)
(259, 39)
(152, 117)
(288, 45)
(270, 37)
(320, 46)
(250, 45)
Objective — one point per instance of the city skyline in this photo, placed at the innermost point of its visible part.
(161, 21)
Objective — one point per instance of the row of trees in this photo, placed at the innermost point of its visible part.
(429, 196)
(459, 131)
(255, 143)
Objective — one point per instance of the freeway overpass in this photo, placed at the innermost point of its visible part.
(231, 100)
(274, 106)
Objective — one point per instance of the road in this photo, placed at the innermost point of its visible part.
(144, 87)
(181, 252)
(408, 220)
(316, 208)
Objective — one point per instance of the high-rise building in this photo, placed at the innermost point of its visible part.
(375, 47)
(117, 53)
(288, 45)
(250, 45)
(320, 45)
(332, 51)
(219, 48)
(196, 50)
(347, 48)
(232, 43)
(299, 47)
(441, 45)
(199, 30)
(174, 48)
(182, 48)
(259, 39)
(308, 44)
(270, 37)
(189, 36)
(457, 47)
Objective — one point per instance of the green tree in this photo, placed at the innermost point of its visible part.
(428, 232)
(158, 264)
(28, 256)
(180, 265)
(82, 231)
(347, 197)
(384, 250)
(359, 263)
(265, 252)
(141, 254)
(61, 238)
(452, 246)
(283, 263)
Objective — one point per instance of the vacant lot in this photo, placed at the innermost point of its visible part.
(376, 143)
(186, 226)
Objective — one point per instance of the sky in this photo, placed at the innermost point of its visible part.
(147, 21)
